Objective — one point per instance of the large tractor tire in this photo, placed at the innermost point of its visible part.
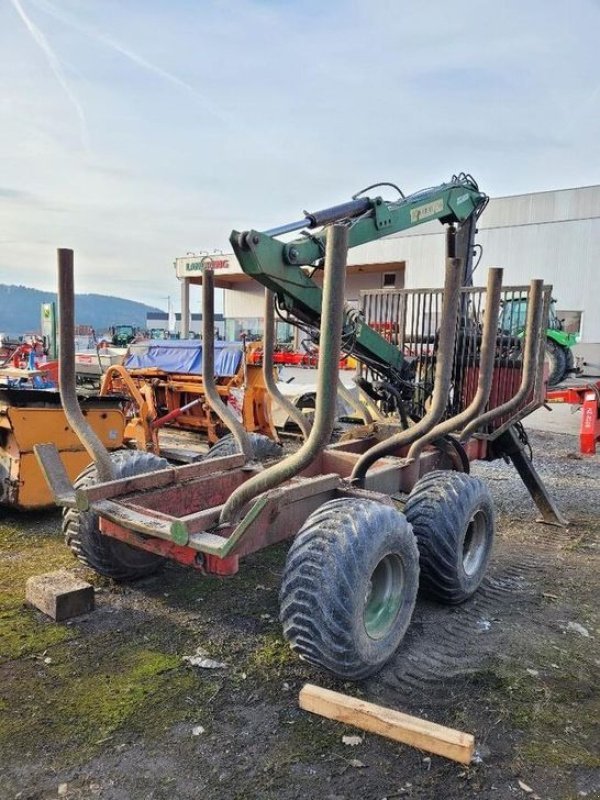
(263, 447)
(569, 362)
(452, 516)
(103, 554)
(556, 358)
(350, 586)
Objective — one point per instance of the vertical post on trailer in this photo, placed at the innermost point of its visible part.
(267, 368)
(66, 369)
(208, 367)
(332, 316)
(443, 371)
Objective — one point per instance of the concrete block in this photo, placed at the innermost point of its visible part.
(60, 595)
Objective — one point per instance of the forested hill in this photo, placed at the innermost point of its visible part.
(20, 310)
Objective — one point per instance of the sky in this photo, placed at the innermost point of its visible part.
(140, 130)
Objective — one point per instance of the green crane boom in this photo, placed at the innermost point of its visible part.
(279, 265)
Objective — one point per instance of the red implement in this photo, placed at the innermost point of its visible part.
(588, 397)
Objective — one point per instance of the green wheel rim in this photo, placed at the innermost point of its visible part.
(384, 596)
(475, 544)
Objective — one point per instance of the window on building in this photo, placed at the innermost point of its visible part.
(389, 280)
(284, 333)
(250, 327)
(571, 320)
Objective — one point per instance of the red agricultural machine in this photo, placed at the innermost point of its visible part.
(372, 518)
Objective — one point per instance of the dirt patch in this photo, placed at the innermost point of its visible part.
(106, 705)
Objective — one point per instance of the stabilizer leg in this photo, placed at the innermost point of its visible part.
(508, 444)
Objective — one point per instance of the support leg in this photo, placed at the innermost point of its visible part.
(509, 444)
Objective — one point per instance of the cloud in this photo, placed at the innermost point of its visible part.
(212, 116)
(56, 67)
(101, 38)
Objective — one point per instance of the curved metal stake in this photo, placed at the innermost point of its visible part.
(533, 332)
(443, 376)
(66, 369)
(213, 397)
(268, 346)
(332, 316)
(486, 368)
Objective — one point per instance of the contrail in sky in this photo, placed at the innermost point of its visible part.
(56, 67)
(92, 33)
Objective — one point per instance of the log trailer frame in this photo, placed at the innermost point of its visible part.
(353, 570)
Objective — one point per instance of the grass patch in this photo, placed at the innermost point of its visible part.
(72, 706)
(23, 631)
(556, 711)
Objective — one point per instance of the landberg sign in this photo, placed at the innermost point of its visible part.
(195, 265)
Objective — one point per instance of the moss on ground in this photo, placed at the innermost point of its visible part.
(72, 705)
(272, 655)
(556, 709)
(69, 691)
(64, 689)
(24, 631)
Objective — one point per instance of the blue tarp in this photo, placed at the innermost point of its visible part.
(183, 356)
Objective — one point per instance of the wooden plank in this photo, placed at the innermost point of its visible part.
(60, 595)
(420, 733)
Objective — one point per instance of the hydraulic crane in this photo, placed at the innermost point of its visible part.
(281, 266)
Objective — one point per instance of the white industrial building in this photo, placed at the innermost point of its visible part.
(552, 235)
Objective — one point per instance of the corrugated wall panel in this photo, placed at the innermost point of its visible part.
(246, 302)
(564, 204)
(567, 255)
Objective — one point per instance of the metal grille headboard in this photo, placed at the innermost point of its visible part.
(409, 318)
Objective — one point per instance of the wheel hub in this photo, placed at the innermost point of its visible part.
(474, 545)
(384, 596)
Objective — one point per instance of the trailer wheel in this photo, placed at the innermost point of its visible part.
(556, 357)
(264, 448)
(349, 586)
(452, 516)
(105, 555)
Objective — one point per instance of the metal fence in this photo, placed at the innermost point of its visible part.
(409, 319)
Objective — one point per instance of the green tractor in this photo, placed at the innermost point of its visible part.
(559, 342)
(122, 335)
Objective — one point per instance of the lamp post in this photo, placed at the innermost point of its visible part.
(171, 322)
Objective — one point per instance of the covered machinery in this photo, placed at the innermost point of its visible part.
(163, 384)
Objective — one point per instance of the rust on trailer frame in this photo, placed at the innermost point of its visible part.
(209, 514)
(155, 480)
(275, 515)
(287, 505)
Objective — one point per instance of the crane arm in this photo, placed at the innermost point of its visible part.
(279, 265)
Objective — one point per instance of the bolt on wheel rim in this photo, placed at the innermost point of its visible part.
(384, 596)
(474, 545)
